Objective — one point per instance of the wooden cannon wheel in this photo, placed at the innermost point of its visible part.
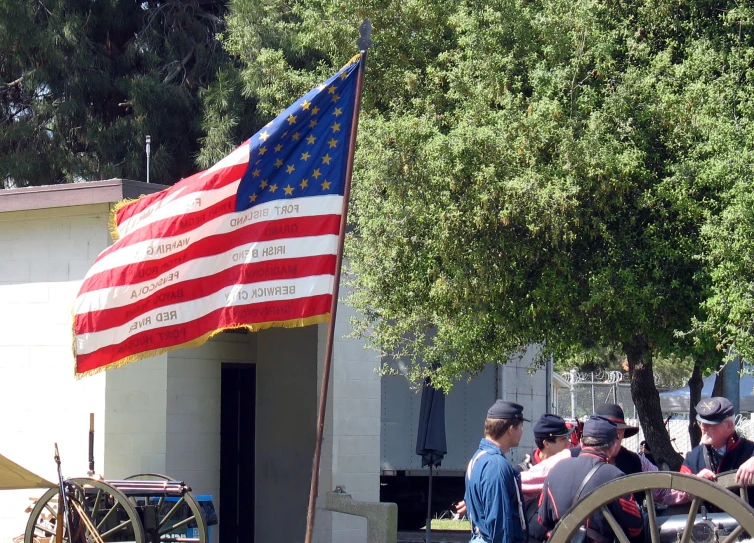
(714, 493)
(99, 513)
(727, 479)
(170, 514)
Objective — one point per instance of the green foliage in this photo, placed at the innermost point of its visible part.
(670, 371)
(601, 358)
(82, 83)
(546, 172)
(730, 239)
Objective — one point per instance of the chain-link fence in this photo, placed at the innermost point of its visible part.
(678, 429)
(577, 395)
(590, 390)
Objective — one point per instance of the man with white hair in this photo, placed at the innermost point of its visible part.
(721, 448)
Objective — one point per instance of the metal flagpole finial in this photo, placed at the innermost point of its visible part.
(365, 31)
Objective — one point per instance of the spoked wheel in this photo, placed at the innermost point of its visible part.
(728, 480)
(100, 513)
(702, 491)
(179, 516)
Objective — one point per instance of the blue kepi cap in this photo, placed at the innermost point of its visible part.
(714, 410)
(550, 425)
(506, 410)
(601, 428)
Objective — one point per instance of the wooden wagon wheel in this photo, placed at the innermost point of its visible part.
(171, 515)
(701, 489)
(727, 479)
(100, 513)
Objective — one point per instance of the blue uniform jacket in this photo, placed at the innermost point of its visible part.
(491, 497)
(739, 450)
(564, 480)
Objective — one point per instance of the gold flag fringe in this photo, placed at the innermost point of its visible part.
(201, 340)
(112, 223)
(353, 60)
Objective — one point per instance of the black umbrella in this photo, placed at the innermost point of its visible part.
(430, 438)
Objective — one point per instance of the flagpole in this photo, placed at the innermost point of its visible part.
(364, 42)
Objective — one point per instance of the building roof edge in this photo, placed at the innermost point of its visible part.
(74, 194)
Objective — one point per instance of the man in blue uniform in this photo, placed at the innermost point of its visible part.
(493, 490)
(721, 448)
(626, 461)
(573, 478)
(551, 436)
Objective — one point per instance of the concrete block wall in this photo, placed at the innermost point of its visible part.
(286, 416)
(351, 449)
(44, 255)
(135, 419)
(465, 410)
(322, 518)
(193, 411)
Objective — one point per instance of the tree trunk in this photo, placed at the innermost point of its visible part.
(695, 395)
(647, 401)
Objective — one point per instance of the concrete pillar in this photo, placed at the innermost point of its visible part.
(382, 518)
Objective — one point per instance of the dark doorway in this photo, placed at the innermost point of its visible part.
(237, 410)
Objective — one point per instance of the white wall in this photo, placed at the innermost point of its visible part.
(162, 414)
(135, 419)
(193, 411)
(43, 258)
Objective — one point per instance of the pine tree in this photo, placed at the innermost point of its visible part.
(82, 83)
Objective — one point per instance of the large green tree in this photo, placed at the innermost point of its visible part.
(528, 172)
(729, 239)
(83, 82)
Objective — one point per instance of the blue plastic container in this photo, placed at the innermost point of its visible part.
(208, 509)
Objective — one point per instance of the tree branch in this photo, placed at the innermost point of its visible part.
(178, 69)
(15, 83)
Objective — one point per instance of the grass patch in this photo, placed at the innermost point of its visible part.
(450, 524)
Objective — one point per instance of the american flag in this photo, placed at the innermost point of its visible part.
(249, 243)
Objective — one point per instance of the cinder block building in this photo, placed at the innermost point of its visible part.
(234, 418)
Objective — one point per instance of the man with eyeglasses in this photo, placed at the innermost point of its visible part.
(551, 436)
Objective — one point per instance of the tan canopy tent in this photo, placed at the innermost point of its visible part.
(14, 477)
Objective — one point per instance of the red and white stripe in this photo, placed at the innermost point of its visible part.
(187, 265)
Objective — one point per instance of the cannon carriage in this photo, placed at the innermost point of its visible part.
(695, 524)
(144, 508)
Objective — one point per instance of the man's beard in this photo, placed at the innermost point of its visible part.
(707, 439)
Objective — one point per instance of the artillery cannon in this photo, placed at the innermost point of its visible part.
(695, 525)
(145, 508)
